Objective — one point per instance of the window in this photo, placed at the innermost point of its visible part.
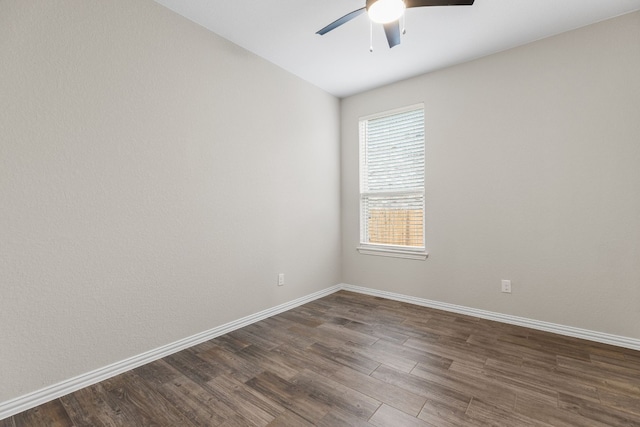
(392, 183)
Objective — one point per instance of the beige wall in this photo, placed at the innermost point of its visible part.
(154, 179)
(532, 174)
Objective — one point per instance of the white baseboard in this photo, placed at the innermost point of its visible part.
(570, 331)
(28, 401)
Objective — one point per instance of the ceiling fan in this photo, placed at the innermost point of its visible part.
(388, 13)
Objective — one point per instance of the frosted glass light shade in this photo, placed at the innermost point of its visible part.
(385, 11)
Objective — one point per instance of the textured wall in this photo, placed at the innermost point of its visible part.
(154, 179)
(532, 174)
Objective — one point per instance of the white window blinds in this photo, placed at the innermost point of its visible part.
(392, 179)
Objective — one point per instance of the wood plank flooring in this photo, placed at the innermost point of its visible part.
(355, 360)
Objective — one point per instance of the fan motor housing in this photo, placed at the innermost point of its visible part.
(369, 3)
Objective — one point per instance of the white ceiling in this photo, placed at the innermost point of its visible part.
(283, 32)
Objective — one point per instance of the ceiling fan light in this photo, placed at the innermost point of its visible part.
(385, 11)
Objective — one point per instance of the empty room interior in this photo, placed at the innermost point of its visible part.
(286, 213)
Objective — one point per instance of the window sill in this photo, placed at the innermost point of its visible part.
(393, 252)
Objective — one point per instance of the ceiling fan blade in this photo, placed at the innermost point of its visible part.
(421, 3)
(392, 31)
(346, 18)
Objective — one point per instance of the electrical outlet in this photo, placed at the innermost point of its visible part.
(506, 286)
(281, 279)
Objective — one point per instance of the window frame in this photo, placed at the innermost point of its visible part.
(381, 249)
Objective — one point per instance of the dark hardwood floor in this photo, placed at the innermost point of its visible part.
(355, 360)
